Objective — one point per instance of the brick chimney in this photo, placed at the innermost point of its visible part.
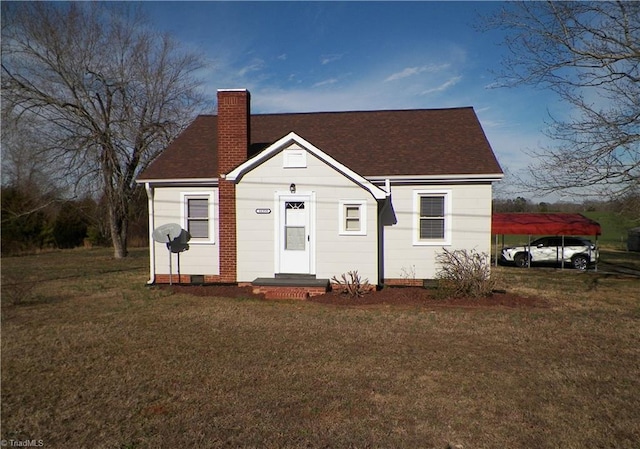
(233, 144)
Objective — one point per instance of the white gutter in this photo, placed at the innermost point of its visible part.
(417, 179)
(152, 245)
(180, 181)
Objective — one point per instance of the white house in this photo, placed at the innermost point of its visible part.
(294, 199)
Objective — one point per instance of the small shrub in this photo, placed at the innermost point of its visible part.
(464, 274)
(352, 284)
(408, 274)
(96, 236)
(70, 227)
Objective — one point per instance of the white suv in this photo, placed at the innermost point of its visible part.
(577, 251)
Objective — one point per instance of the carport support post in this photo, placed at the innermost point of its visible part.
(529, 252)
(562, 254)
(595, 268)
(496, 260)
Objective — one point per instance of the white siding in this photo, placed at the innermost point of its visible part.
(333, 254)
(201, 258)
(470, 229)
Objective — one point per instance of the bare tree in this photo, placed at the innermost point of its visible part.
(109, 92)
(588, 53)
(24, 163)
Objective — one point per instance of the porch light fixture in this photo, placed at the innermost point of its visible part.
(292, 188)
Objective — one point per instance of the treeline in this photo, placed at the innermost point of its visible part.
(628, 205)
(31, 222)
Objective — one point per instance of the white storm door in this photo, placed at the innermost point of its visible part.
(295, 234)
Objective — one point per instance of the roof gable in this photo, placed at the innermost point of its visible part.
(424, 142)
(292, 138)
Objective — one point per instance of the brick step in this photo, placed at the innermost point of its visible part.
(294, 287)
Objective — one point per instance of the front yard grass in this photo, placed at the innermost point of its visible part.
(91, 357)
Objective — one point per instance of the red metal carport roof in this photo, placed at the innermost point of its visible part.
(543, 224)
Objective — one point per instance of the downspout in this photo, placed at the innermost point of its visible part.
(152, 245)
(381, 215)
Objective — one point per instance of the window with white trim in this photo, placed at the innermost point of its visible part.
(197, 216)
(353, 217)
(432, 217)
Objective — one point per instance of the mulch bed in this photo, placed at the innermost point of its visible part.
(390, 296)
(416, 296)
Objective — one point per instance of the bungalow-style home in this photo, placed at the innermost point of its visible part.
(290, 200)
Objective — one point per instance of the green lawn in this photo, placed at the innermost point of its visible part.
(615, 228)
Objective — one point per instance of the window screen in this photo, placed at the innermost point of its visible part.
(431, 217)
(352, 218)
(198, 217)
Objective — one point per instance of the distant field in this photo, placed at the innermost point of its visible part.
(614, 228)
(91, 357)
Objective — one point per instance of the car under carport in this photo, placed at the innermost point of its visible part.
(531, 224)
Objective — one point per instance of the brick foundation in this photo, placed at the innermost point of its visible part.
(335, 286)
(269, 292)
(186, 279)
(404, 282)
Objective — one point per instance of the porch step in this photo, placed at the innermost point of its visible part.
(290, 286)
(299, 276)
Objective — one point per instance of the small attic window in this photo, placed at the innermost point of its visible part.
(294, 158)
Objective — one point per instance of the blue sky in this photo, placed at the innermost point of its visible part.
(336, 56)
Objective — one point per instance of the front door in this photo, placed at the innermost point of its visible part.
(295, 234)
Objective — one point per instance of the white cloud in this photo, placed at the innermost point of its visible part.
(326, 82)
(301, 99)
(254, 66)
(326, 59)
(360, 91)
(493, 85)
(411, 71)
(352, 97)
(444, 86)
(282, 57)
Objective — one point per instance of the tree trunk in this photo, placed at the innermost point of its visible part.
(117, 194)
(118, 226)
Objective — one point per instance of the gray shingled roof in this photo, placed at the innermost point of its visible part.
(420, 142)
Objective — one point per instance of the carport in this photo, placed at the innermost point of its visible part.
(542, 224)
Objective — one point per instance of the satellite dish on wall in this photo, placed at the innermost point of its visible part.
(167, 232)
(177, 241)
